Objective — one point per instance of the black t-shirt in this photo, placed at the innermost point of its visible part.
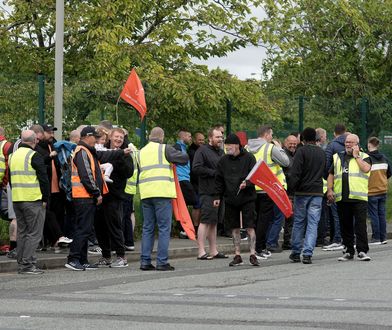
(345, 173)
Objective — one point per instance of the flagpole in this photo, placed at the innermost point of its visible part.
(58, 76)
(118, 100)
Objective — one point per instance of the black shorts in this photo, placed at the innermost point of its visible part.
(208, 214)
(188, 192)
(232, 215)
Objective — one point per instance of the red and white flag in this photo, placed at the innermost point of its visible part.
(262, 176)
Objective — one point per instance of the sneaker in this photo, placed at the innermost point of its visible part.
(260, 256)
(32, 271)
(295, 257)
(362, 256)
(183, 235)
(90, 266)
(12, 254)
(119, 263)
(64, 240)
(274, 249)
(333, 247)
(55, 249)
(165, 267)
(244, 235)
(96, 250)
(103, 262)
(384, 242)
(307, 260)
(237, 261)
(253, 260)
(129, 248)
(346, 257)
(74, 265)
(374, 241)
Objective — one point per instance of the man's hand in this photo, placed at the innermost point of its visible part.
(216, 202)
(330, 195)
(127, 151)
(53, 154)
(355, 151)
(242, 185)
(44, 205)
(99, 200)
(277, 143)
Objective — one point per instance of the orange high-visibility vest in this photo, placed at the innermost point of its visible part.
(78, 190)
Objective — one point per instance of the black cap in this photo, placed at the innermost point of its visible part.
(49, 128)
(89, 131)
(232, 139)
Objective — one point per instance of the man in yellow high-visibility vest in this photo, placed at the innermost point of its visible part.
(157, 189)
(30, 193)
(348, 186)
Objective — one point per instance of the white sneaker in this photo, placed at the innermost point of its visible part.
(119, 263)
(333, 247)
(384, 242)
(129, 248)
(95, 250)
(362, 256)
(65, 240)
(375, 242)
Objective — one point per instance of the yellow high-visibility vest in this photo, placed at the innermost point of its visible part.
(156, 178)
(265, 153)
(130, 187)
(2, 160)
(357, 180)
(24, 181)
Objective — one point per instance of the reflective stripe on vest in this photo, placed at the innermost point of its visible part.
(78, 189)
(2, 160)
(156, 177)
(24, 181)
(357, 180)
(130, 187)
(265, 152)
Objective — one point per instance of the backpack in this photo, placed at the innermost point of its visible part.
(64, 155)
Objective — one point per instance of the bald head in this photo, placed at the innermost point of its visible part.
(156, 135)
(290, 143)
(29, 137)
(74, 136)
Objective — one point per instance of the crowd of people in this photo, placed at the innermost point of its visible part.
(79, 194)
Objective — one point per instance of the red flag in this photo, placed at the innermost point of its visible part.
(263, 177)
(243, 137)
(180, 210)
(133, 93)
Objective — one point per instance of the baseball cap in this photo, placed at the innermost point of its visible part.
(49, 128)
(89, 131)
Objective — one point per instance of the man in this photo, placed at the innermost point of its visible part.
(239, 196)
(30, 193)
(88, 188)
(290, 146)
(348, 186)
(269, 218)
(306, 184)
(378, 188)
(321, 137)
(108, 220)
(74, 136)
(157, 189)
(198, 141)
(335, 146)
(183, 173)
(204, 166)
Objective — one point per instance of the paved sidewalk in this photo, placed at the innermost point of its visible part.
(179, 248)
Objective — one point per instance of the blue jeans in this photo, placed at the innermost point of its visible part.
(376, 210)
(307, 212)
(156, 211)
(275, 228)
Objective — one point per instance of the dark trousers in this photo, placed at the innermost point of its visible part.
(265, 217)
(108, 227)
(288, 228)
(84, 216)
(57, 206)
(352, 216)
(126, 221)
(52, 229)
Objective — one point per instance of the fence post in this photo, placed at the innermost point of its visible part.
(363, 134)
(41, 98)
(229, 109)
(300, 113)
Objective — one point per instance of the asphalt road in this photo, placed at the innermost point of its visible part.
(207, 295)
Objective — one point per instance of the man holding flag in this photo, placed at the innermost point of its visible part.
(239, 195)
